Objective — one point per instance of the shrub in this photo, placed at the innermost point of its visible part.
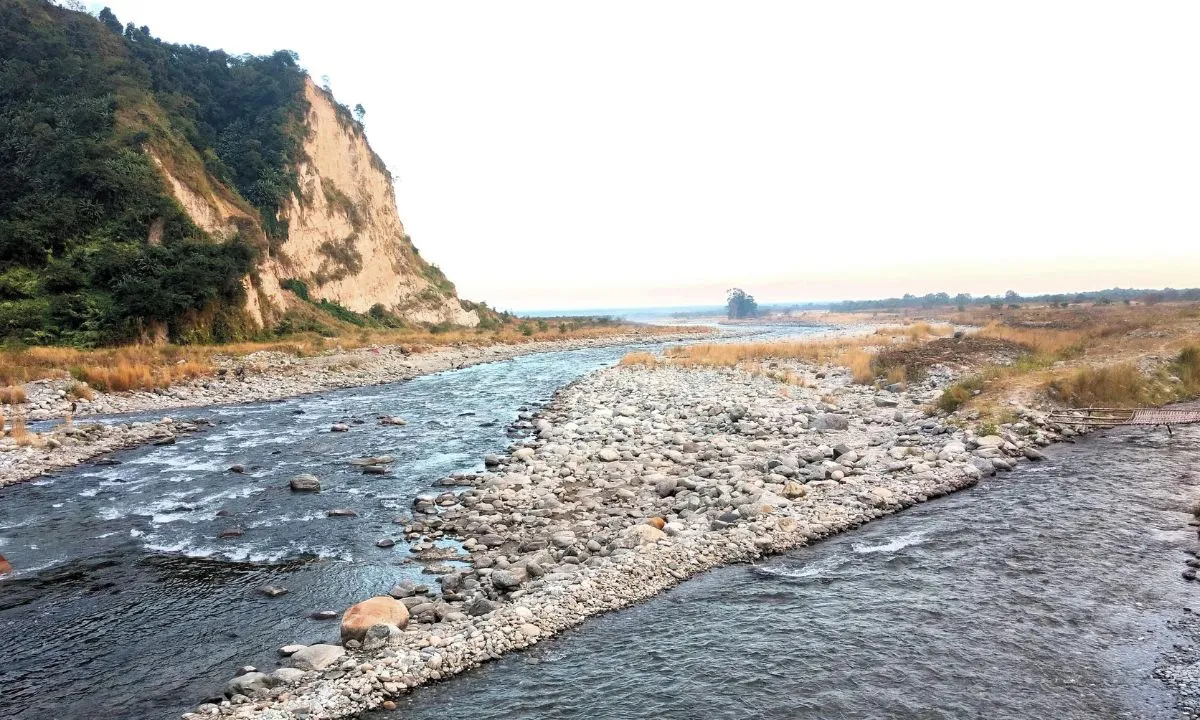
(958, 394)
(1121, 385)
(643, 359)
(12, 395)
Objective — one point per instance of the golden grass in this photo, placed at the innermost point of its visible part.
(12, 395)
(144, 367)
(80, 391)
(17, 431)
(643, 359)
(847, 352)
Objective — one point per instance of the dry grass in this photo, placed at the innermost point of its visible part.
(12, 395)
(847, 352)
(144, 367)
(1121, 385)
(643, 359)
(80, 391)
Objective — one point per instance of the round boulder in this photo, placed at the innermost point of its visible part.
(379, 610)
(5, 566)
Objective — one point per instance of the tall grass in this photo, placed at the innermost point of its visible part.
(847, 352)
(1121, 385)
(643, 359)
(12, 395)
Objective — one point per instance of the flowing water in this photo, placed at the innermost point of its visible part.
(1042, 592)
(1038, 594)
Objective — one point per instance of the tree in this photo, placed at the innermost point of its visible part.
(1011, 296)
(360, 113)
(740, 305)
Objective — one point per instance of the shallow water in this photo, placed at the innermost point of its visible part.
(1042, 593)
(126, 603)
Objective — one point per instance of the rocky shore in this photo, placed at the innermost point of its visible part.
(258, 377)
(71, 444)
(632, 480)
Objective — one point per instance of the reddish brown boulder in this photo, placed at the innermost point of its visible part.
(379, 610)
(5, 566)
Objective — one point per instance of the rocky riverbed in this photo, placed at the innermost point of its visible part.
(257, 377)
(633, 480)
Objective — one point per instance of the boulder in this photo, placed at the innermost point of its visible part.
(643, 534)
(509, 579)
(368, 461)
(5, 566)
(247, 684)
(392, 420)
(305, 483)
(339, 427)
(341, 512)
(379, 610)
(609, 455)
(666, 487)
(317, 657)
(481, 606)
(831, 421)
(285, 676)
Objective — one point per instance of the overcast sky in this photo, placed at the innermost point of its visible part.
(617, 154)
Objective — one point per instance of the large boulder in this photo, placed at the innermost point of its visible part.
(5, 566)
(379, 610)
(509, 579)
(317, 657)
(305, 483)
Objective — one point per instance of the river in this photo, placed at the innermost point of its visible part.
(1043, 591)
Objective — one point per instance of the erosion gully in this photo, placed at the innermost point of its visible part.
(1042, 592)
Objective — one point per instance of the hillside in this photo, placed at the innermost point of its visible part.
(151, 191)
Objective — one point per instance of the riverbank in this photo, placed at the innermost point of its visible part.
(262, 376)
(637, 479)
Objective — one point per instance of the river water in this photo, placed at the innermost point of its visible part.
(1044, 591)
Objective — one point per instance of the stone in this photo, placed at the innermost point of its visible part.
(666, 487)
(287, 650)
(374, 470)
(530, 630)
(643, 534)
(237, 469)
(323, 615)
(379, 610)
(385, 543)
(339, 427)
(481, 606)
(509, 579)
(341, 512)
(831, 421)
(305, 483)
(1032, 454)
(609, 455)
(392, 420)
(317, 657)
(6, 567)
(285, 676)
(491, 460)
(246, 684)
(524, 454)
(793, 490)
(232, 532)
(273, 590)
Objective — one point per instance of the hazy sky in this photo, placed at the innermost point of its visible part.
(610, 154)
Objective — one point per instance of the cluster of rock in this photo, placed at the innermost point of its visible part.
(272, 375)
(634, 480)
(70, 444)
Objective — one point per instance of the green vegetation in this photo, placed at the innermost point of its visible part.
(93, 247)
(740, 305)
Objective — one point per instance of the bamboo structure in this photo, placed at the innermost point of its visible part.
(1114, 417)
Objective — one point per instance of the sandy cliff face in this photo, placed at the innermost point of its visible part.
(345, 239)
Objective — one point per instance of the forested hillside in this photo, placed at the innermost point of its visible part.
(104, 130)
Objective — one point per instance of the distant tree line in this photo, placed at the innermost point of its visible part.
(963, 300)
